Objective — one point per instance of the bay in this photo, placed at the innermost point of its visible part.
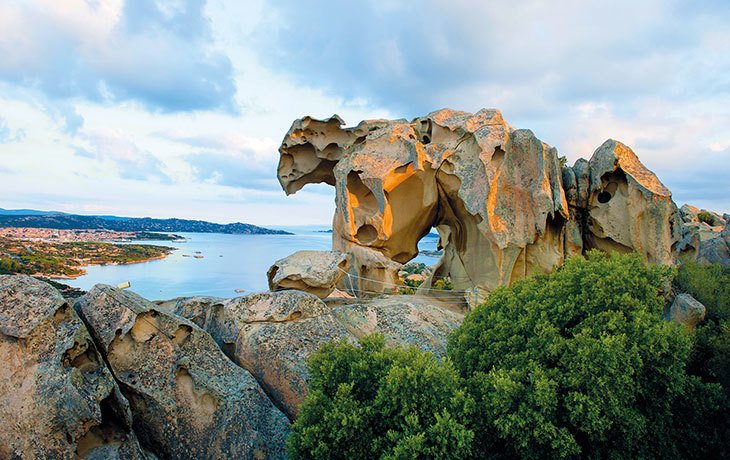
(225, 263)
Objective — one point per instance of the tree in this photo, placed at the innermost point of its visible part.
(368, 401)
(579, 363)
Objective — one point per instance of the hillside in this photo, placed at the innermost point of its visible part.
(129, 224)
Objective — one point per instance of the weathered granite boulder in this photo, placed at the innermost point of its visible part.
(403, 320)
(629, 209)
(271, 334)
(316, 272)
(502, 201)
(701, 241)
(57, 399)
(188, 399)
(685, 310)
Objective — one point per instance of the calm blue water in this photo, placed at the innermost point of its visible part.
(229, 262)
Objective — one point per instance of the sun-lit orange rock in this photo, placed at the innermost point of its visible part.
(495, 194)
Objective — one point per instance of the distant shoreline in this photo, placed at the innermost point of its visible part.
(61, 221)
(82, 268)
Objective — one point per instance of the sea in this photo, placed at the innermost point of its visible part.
(225, 266)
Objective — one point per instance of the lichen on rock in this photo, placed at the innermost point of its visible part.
(57, 398)
(188, 399)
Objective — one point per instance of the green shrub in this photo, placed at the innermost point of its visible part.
(578, 363)
(369, 402)
(706, 217)
(710, 284)
(443, 284)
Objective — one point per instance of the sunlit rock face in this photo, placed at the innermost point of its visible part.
(495, 194)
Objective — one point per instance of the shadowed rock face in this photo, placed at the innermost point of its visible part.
(57, 398)
(503, 204)
(706, 241)
(270, 334)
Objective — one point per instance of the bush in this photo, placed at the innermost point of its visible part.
(369, 401)
(578, 363)
(706, 217)
(710, 284)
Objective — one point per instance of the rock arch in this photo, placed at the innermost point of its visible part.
(502, 200)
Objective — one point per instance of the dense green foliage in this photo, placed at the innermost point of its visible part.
(710, 284)
(579, 363)
(574, 364)
(369, 401)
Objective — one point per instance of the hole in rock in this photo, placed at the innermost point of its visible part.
(604, 197)
(426, 139)
(361, 197)
(366, 234)
(497, 157)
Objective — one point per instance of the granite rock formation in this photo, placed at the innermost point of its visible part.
(57, 398)
(502, 201)
(188, 399)
(705, 240)
(317, 272)
(403, 320)
(272, 334)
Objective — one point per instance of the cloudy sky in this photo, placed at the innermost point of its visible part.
(176, 108)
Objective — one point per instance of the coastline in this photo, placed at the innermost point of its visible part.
(82, 268)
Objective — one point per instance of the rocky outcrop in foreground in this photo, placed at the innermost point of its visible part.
(504, 204)
(58, 399)
(116, 376)
(188, 399)
(271, 334)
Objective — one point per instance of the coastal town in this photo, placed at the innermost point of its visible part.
(70, 236)
(55, 253)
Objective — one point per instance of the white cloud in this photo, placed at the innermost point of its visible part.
(136, 107)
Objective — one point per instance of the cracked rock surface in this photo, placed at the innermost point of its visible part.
(188, 399)
(57, 398)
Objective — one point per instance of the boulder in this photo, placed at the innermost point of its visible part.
(629, 209)
(685, 310)
(188, 399)
(271, 334)
(316, 272)
(503, 202)
(403, 320)
(57, 398)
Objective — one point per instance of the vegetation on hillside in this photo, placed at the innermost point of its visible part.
(66, 259)
(577, 363)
